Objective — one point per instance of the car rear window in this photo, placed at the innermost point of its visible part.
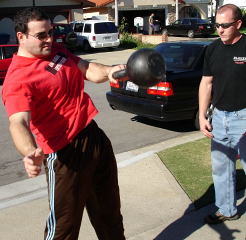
(198, 21)
(62, 29)
(202, 21)
(78, 27)
(179, 56)
(9, 51)
(105, 27)
(185, 21)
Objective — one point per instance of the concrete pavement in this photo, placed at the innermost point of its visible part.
(154, 206)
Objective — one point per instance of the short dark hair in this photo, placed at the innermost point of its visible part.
(24, 16)
(237, 13)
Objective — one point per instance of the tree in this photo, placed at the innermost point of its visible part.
(244, 17)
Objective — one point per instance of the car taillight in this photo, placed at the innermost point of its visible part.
(94, 38)
(161, 89)
(115, 85)
(201, 27)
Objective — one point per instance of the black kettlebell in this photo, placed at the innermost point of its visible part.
(145, 67)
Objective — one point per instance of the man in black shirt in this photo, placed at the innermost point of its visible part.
(224, 84)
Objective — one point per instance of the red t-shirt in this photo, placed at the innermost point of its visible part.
(52, 89)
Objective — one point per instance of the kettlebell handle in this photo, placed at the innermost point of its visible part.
(119, 74)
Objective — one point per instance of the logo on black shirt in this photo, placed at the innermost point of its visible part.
(239, 60)
(56, 63)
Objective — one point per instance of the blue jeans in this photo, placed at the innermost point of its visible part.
(229, 130)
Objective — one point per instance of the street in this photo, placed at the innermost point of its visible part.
(125, 130)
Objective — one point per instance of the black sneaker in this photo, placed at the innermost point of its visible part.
(217, 218)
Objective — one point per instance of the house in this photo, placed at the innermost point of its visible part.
(104, 9)
(59, 11)
(138, 11)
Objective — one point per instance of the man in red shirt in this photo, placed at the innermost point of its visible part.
(43, 94)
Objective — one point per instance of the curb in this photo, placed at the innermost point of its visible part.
(35, 188)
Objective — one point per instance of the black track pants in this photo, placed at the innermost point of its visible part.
(84, 174)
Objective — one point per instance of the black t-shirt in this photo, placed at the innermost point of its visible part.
(227, 65)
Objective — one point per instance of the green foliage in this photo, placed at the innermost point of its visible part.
(243, 30)
(128, 41)
(190, 164)
(244, 17)
(123, 25)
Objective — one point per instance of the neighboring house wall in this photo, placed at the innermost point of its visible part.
(62, 11)
(26, 3)
(144, 2)
(55, 2)
(106, 13)
(60, 19)
(76, 14)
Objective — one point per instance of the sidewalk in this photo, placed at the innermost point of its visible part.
(153, 205)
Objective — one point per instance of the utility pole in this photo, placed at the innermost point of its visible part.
(33, 3)
(177, 9)
(116, 13)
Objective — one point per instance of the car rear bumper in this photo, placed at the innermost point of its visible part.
(105, 44)
(146, 107)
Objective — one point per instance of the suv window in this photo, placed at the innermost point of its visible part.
(87, 28)
(106, 27)
(78, 27)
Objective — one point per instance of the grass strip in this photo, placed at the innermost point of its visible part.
(190, 164)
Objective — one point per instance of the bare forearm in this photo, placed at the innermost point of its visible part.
(98, 73)
(94, 72)
(22, 137)
(205, 91)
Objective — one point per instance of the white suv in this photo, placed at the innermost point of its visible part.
(96, 34)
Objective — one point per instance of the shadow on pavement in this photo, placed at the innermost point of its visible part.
(209, 196)
(176, 126)
(192, 221)
(98, 50)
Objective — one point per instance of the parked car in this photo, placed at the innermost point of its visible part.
(190, 27)
(6, 53)
(64, 34)
(176, 98)
(96, 34)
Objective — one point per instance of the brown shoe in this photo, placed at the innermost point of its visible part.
(217, 218)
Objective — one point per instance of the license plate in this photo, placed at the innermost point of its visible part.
(208, 27)
(59, 40)
(106, 38)
(130, 86)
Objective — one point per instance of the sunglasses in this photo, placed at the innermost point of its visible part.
(224, 25)
(43, 36)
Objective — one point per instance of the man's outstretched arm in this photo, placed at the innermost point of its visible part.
(25, 142)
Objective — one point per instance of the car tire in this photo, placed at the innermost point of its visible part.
(86, 46)
(191, 33)
(71, 39)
